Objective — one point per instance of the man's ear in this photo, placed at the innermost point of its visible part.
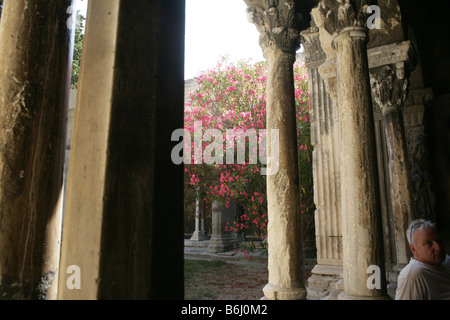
(413, 249)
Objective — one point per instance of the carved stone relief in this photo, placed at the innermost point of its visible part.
(277, 23)
(339, 14)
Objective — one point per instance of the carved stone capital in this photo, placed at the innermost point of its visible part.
(391, 66)
(389, 88)
(313, 49)
(391, 54)
(399, 59)
(341, 14)
(278, 22)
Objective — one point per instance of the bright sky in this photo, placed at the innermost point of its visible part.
(82, 6)
(214, 28)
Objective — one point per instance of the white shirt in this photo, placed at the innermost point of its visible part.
(420, 281)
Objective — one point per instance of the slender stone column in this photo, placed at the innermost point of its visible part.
(123, 224)
(199, 233)
(389, 89)
(360, 200)
(280, 38)
(35, 59)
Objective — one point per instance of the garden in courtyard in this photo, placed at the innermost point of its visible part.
(231, 96)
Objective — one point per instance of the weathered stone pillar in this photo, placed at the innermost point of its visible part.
(360, 200)
(222, 240)
(415, 112)
(278, 24)
(325, 139)
(123, 224)
(389, 88)
(35, 59)
(199, 233)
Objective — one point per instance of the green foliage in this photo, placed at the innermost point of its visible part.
(232, 95)
(78, 46)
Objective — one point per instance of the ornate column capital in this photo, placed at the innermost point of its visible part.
(390, 88)
(279, 23)
(313, 48)
(328, 73)
(391, 68)
(341, 14)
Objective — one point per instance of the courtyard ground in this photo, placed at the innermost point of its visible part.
(224, 280)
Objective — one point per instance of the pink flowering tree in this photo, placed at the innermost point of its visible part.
(304, 147)
(232, 97)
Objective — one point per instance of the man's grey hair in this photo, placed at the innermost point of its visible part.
(415, 225)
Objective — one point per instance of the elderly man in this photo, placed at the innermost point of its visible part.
(427, 275)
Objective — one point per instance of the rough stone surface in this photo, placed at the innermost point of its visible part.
(389, 91)
(285, 248)
(279, 26)
(359, 195)
(222, 240)
(122, 182)
(34, 82)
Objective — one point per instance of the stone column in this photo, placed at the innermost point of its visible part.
(325, 139)
(389, 88)
(35, 58)
(199, 233)
(360, 199)
(123, 223)
(222, 240)
(415, 112)
(279, 27)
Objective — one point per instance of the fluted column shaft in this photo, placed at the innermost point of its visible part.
(360, 198)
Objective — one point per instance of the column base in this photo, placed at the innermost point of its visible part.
(239, 236)
(199, 236)
(276, 293)
(393, 278)
(344, 296)
(322, 284)
(221, 245)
